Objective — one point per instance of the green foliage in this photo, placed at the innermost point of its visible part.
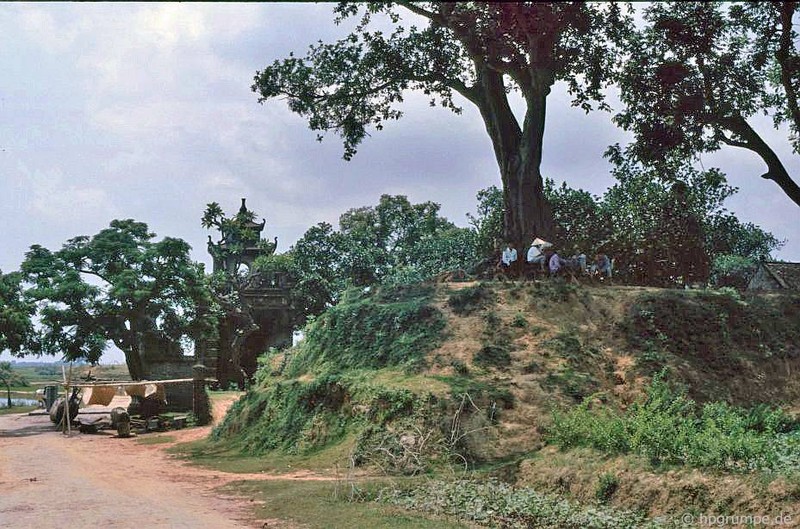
(143, 292)
(496, 504)
(483, 394)
(574, 377)
(465, 301)
(9, 377)
(393, 243)
(488, 223)
(293, 416)
(668, 428)
(397, 326)
(607, 485)
(732, 271)
(714, 327)
(647, 227)
(676, 82)
(16, 328)
(582, 223)
(519, 321)
(493, 355)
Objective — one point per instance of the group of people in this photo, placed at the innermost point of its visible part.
(545, 256)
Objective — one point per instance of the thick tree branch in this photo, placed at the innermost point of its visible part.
(753, 142)
(430, 15)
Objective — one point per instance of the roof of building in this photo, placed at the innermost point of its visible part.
(786, 274)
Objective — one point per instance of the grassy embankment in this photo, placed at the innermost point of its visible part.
(546, 388)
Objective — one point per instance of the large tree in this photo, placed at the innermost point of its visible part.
(121, 286)
(481, 51)
(698, 72)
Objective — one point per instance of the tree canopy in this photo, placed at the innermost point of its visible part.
(479, 50)
(16, 328)
(121, 286)
(696, 74)
(642, 219)
(394, 241)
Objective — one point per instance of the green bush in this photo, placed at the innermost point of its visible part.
(493, 355)
(467, 300)
(669, 428)
(393, 327)
(607, 485)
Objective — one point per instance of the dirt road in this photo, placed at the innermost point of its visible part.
(47, 480)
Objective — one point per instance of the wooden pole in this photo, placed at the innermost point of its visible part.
(67, 403)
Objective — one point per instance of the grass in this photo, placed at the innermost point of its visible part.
(314, 504)
(155, 439)
(228, 457)
(17, 409)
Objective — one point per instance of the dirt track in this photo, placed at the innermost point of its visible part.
(47, 480)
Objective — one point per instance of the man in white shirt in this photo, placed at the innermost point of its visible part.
(535, 256)
(509, 256)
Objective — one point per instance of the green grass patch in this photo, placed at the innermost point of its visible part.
(155, 439)
(228, 457)
(495, 504)
(317, 504)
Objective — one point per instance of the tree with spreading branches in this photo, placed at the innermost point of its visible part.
(118, 285)
(698, 72)
(480, 50)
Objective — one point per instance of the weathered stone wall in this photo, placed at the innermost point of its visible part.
(179, 396)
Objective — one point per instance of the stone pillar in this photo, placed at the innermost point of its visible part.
(200, 402)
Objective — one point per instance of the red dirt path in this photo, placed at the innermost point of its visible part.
(49, 480)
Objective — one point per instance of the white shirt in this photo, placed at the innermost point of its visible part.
(509, 256)
(533, 253)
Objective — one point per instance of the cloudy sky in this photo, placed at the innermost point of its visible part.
(145, 111)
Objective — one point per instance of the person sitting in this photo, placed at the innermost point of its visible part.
(555, 263)
(578, 263)
(535, 256)
(509, 257)
(601, 266)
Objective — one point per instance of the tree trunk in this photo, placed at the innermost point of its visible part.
(134, 362)
(518, 152)
(8, 394)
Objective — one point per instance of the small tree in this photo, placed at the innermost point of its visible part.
(144, 295)
(9, 377)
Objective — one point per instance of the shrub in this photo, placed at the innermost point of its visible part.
(493, 355)
(393, 327)
(607, 485)
(669, 428)
(467, 300)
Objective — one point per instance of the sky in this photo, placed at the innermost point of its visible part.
(144, 111)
